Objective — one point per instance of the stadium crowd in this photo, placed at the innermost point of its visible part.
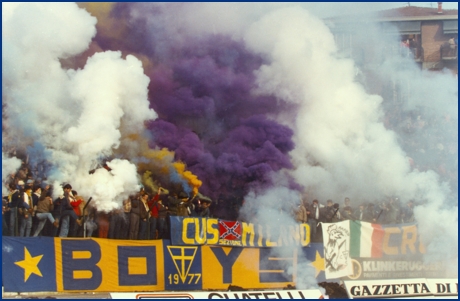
(389, 211)
(29, 205)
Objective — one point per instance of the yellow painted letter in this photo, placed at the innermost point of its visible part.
(248, 229)
(185, 223)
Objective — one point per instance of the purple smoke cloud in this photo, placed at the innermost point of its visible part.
(201, 89)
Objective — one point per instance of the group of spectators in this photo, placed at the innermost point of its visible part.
(29, 205)
(390, 211)
(30, 210)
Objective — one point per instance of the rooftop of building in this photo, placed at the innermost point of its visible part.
(415, 11)
(407, 13)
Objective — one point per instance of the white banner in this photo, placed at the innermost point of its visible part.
(388, 288)
(337, 260)
(284, 294)
(444, 288)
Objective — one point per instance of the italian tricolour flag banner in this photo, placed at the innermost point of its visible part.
(366, 239)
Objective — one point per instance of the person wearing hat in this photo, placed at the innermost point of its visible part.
(30, 183)
(179, 205)
(185, 207)
(203, 204)
(203, 207)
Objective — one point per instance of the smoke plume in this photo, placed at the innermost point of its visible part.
(9, 166)
(77, 115)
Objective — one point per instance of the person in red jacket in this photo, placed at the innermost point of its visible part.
(76, 204)
(153, 206)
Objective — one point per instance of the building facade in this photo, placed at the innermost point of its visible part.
(428, 35)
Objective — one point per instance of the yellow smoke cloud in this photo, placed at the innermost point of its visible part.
(192, 179)
(161, 161)
(148, 181)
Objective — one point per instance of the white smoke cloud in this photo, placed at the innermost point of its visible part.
(79, 116)
(109, 188)
(273, 208)
(342, 146)
(34, 37)
(109, 89)
(9, 166)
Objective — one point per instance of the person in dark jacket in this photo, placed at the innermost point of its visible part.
(36, 193)
(138, 217)
(331, 212)
(172, 203)
(17, 199)
(126, 215)
(66, 211)
(185, 206)
(347, 214)
(371, 213)
(134, 217)
(116, 223)
(203, 207)
(313, 218)
(44, 207)
(162, 222)
(407, 215)
(5, 216)
(144, 217)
